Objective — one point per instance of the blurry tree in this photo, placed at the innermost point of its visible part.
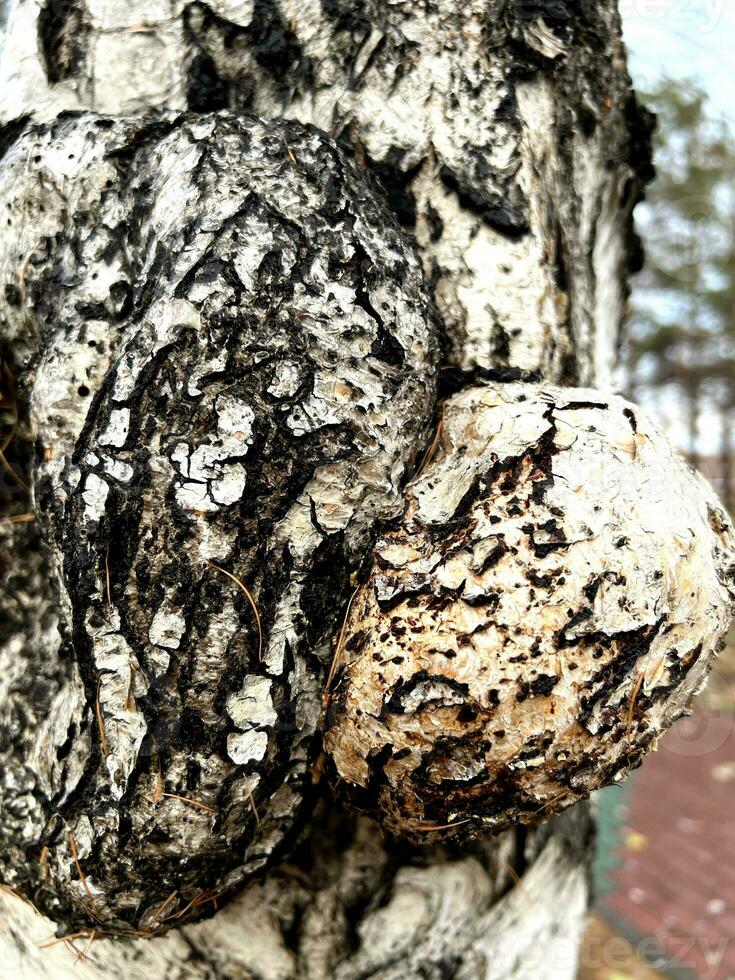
(682, 334)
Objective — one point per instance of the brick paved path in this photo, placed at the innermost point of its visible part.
(675, 880)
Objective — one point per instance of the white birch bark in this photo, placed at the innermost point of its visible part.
(506, 133)
(508, 141)
(360, 909)
(228, 354)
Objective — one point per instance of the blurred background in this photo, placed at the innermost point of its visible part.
(665, 869)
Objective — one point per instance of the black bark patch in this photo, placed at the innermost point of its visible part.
(579, 617)
(580, 405)
(12, 294)
(275, 45)
(641, 125)
(61, 37)
(393, 705)
(396, 183)
(205, 90)
(556, 13)
(490, 601)
(544, 684)
(10, 132)
(387, 349)
(492, 208)
(500, 342)
(557, 540)
(630, 647)
(632, 420)
(435, 223)
(267, 38)
(494, 556)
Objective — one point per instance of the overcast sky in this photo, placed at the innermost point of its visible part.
(684, 39)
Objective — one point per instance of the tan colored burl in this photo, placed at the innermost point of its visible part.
(553, 596)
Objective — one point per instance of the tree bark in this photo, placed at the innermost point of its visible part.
(349, 904)
(726, 451)
(506, 134)
(508, 141)
(259, 351)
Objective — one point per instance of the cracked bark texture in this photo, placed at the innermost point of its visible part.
(505, 132)
(350, 905)
(554, 595)
(229, 356)
(508, 141)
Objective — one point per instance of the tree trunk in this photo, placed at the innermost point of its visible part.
(726, 449)
(506, 135)
(135, 253)
(693, 392)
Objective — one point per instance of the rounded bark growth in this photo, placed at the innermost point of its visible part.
(551, 599)
(229, 357)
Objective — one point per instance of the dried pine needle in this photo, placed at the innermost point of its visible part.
(20, 519)
(250, 599)
(551, 802)
(254, 807)
(82, 876)
(19, 895)
(101, 724)
(631, 706)
(8, 403)
(518, 881)
(338, 651)
(55, 940)
(185, 799)
(11, 472)
(165, 905)
(201, 899)
(85, 951)
(107, 575)
(430, 828)
(653, 675)
(157, 794)
(292, 9)
(431, 451)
